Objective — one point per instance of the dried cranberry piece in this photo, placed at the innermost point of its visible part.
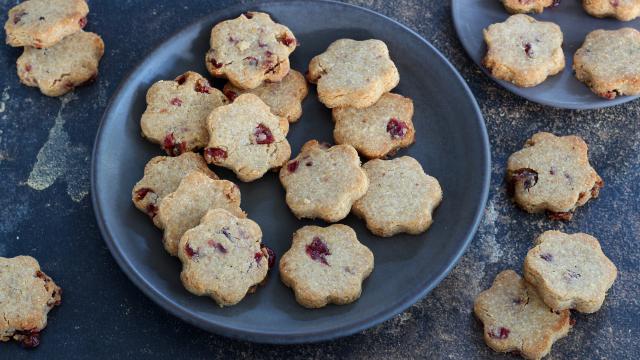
(263, 135)
(614, 3)
(231, 95)
(261, 44)
(253, 61)
(572, 321)
(216, 64)
(293, 166)
(181, 79)
(501, 333)
(546, 257)
(258, 256)
(18, 16)
(176, 102)
(172, 147)
(528, 177)
(559, 216)
(318, 250)
(27, 67)
(30, 339)
(203, 86)
(528, 50)
(595, 190)
(610, 94)
(190, 252)
(287, 41)
(217, 246)
(214, 154)
(82, 22)
(151, 210)
(268, 53)
(397, 129)
(270, 254)
(248, 15)
(142, 192)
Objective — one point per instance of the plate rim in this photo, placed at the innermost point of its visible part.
(269, 337)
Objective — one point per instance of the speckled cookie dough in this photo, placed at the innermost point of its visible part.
(608, 62)
(250, 49)
(59, 69)
(177, 112)
(624, 10)
(326, 265)
(323, 181)
(516, 319)
(378, 130)
(523, 51)
(553, 173)
(353, 73)
(528, 6)
(570, 271)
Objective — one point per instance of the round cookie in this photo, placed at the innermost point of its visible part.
(528, 6)
(516, 319)
(177, 111)
(553, 173)
(43, 23)
(182, 209)
(222, 257)
(247, 138)
(326, 265)
(59, 69)
(26, 297)
(607, 62)
(250, 49)
(283, 97)
(323, 182)
(162, 175)
(401, 197)
(624, 10)
(378, 130)
(523, 51)
(569, 271)
(353, 73)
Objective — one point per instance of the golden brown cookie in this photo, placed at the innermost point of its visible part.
(527, 6)
(624, 10)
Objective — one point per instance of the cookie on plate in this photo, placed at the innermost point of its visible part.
(378, 130)
(326, 265)
(250, 49)
(528, 6)
(59, 69)
(624, 10)
(197, 193)
(162, 175)
(177, 111)
(26, 296)
(43, 23)
(401, 198)
(283, 97)
(553, 173)
(570, 271)
(323, 181)
(247, 138)
(516, 319)
(222, 257)
(523, 51)
(353, 73)
(608, 62)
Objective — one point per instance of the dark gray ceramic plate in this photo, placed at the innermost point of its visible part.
(451, 144)
(562, 90)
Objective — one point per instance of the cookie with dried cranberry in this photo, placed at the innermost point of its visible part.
(250, 49)
(523, 51)
(624, 10)
(326, 265)
(177, 111)
(26, 296)
(527, 6)
(516, 319)
(162, 175)
(353, 73)
(378, 130)
(607, 62)
(323, 181)
(401, 197)
(247, 138)
(553, 173)
(59, 69)
(44, 23)
(570, 271)
(197, 193)
(222, 257)
(283, 97)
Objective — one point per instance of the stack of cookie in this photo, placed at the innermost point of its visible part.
(58, 55)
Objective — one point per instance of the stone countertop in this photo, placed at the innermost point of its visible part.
(45, 212)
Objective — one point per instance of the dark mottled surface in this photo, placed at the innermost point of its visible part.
(45, 212)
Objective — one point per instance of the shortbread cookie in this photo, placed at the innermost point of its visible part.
(553, 173)
(59, 69)
(323, 182)
(523, 51)
(527, 6)
(608, 62)
(250, 49)
(177, 112)
(401, 198)
(162, 175)
(326, 265)
(624, 10)
(222, 257)
(247, 138)
(569, 271)
(43, 23)
(197, 193)
(26, 296)
(516, 319)
(283, 97)
(378, 130)
(353, 73)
